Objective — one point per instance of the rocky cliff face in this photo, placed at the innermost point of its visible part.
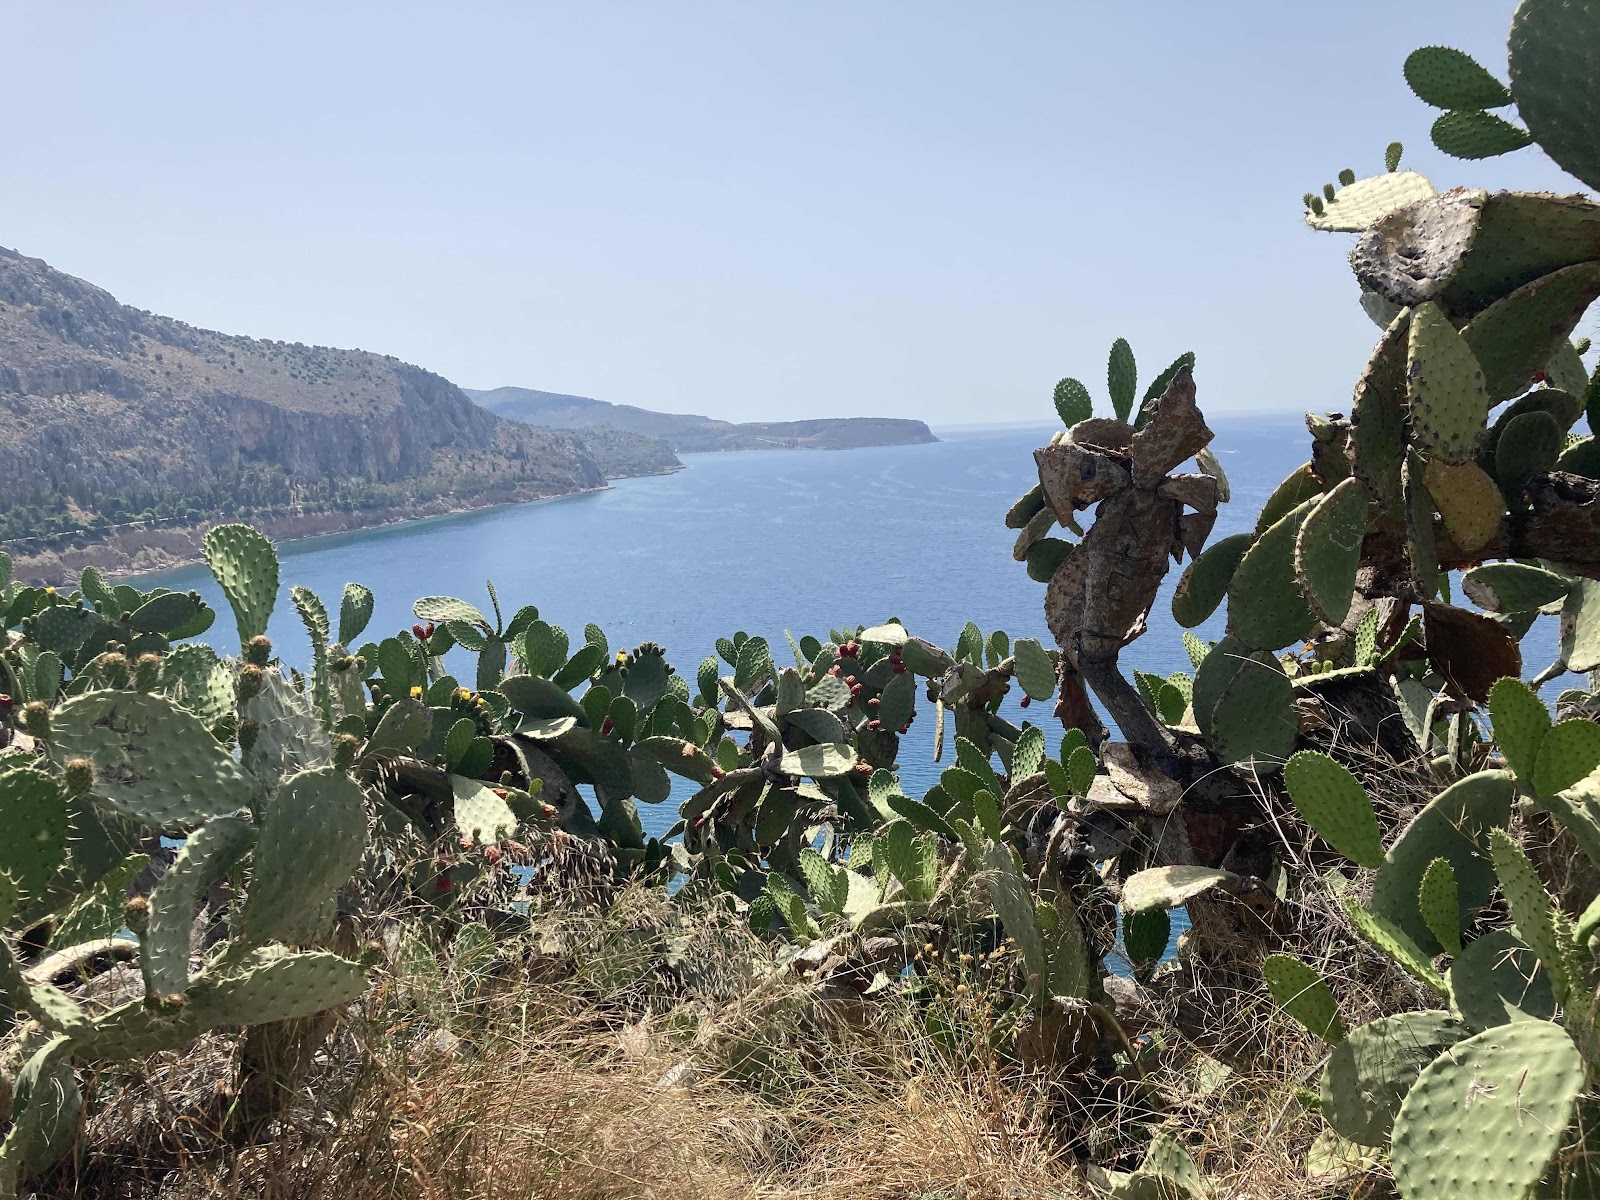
(110, 414)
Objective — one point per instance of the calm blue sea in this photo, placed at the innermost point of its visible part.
(764, 541)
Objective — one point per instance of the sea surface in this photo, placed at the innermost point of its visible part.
(766, 542)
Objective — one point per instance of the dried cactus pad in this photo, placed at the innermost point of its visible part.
(1483, 1121)
(1366, 200)
(153, 761)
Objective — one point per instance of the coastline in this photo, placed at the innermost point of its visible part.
(142, 551)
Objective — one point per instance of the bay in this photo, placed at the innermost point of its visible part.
(763, 541)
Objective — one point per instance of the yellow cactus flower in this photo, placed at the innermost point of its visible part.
(416, 693)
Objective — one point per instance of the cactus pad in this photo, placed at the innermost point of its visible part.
(1036, 671)
(1370, 1072)
(1445, 386)
(1567, 753)
(1449, 78)
(1328, 549)
(1530, 446)
(481, 815)
(312, 837)
(1169, 887)
(1398, 946)
(1413, 253)
(1336, 805)
(1554, 77)
(1305, 995)
(404, 726)
(1205, 581)
(246, 566)
(1122, 378)
(33, 833)
(1496, 979)
(355, 610)
(1265, 607)
(1471, 133)
(153, 761)
(1439, 904)
(45, 1105)
(206, 856)
(1355, 207)
(819, 762)
(1483, 1121)
(1515, 336)
(1072, 403)
(1546, 930)
(282, 988)
(1255, 720)
(1467, 499)
(1451, 826)
(1511, 587)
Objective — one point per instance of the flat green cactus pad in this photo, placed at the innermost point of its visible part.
(1545, 929)
(1452, 826)
(280, 989)
(1567, 753)
(1580, 626)
(1328, 549)
(1467, 499)
(1510, 587)
(312, 837)
(1472, 133)
(45, 1105)
(1554, 75)
(1036, 670)
(33, 834)
(1439, 904)
(1336, 805)
(1205, 581)
(1496, 979)
(1265, 607)
(206, 856)
(1357, 206)
(1378, 413)
(1370, 1072)
(1515, 336)
(1445, 387)
(1255, 721)
(1072, 403)
(1448, 78)
(194, 677)
(1397, 946)
(1305, 995)
(246, 567)
(153, 761)
(355, 610)
(1483, 1121)
(1530, 446)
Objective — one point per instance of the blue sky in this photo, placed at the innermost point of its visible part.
(752, 209)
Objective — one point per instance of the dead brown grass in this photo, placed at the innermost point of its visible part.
(583, 1070)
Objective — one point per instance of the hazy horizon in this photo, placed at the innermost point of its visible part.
(750, 212)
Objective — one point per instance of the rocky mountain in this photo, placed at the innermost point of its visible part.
(111, 415)
(690, 433)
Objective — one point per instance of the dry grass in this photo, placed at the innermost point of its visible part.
(645, 1054)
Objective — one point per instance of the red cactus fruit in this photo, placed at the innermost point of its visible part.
(606, 727)
(492, 853)
(443, 884)
(1026, 700)
(834, 670)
